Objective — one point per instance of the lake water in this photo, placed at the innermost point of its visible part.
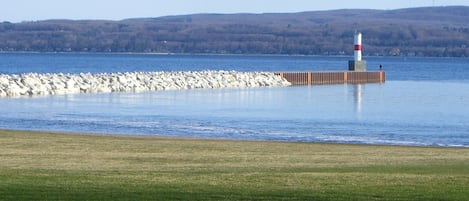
(425, 101)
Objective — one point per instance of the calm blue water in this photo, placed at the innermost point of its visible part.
(425, 101)
(397, 68)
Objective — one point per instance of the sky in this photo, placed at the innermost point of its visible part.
(33, 10)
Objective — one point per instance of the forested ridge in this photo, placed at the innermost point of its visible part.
(429, 31)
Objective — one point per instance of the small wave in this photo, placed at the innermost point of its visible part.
(367, 140)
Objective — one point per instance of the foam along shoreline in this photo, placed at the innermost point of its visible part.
(34, 84)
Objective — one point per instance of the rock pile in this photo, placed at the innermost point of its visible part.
(33, 84)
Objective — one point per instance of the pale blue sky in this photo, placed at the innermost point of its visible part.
(31, 10)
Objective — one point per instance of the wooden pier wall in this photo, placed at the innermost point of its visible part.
(318, 78)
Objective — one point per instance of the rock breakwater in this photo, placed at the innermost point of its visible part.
(34, 84)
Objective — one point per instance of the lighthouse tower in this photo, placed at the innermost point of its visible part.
(357, 64)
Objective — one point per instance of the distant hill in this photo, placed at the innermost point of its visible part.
(430, 31)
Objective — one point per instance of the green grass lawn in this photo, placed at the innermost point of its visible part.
(50, 166)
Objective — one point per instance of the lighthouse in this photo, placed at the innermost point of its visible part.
(358, 47)
(357, 64)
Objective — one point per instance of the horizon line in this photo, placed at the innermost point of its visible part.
(215, 13)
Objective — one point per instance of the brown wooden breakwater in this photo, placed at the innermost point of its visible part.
(318, 78)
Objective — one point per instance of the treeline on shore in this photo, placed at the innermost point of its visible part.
(431, 31)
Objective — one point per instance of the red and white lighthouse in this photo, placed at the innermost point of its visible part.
(357, 64)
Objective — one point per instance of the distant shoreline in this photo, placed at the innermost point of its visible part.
(213, 54)
(422, 32)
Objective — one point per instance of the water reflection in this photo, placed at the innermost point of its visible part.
(357, 97)
(404, 113)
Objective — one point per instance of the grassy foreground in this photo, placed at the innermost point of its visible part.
(48, 166)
